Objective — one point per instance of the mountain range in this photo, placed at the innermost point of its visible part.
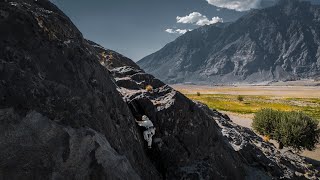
(278, 43)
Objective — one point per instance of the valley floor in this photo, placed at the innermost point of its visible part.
(288, 91)
(286, 98)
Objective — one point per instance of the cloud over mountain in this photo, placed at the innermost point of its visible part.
(177, 31)
(241, 5)
(198, 19)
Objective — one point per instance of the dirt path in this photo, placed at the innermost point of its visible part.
(246, 121)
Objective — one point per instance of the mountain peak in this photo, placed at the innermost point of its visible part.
(253, 49)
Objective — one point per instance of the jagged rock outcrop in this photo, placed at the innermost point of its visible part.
(62, 116)
(194, 142)
(278, 43)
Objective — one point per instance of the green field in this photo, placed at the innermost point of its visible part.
(252, 104)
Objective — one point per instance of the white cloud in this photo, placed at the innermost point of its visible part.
(171, 31)
(182, 31)
(198, 19)
(238, 5)
(177, 31)
(191, 18)
(214, 20)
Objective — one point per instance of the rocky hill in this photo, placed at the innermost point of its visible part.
(68, 109)
(274, 44)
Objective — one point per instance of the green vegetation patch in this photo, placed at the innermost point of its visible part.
(252, 104)
(291, 129)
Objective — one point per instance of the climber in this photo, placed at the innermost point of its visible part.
(149, 131)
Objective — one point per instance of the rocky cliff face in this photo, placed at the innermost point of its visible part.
(277, 43)
(68, 109)
(193, 141)
(61, 116)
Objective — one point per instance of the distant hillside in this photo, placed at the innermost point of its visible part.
(277, 43)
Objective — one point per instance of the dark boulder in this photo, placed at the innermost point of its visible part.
(61, 115)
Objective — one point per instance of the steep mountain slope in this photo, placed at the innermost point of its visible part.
(277, 43)
(65, 116)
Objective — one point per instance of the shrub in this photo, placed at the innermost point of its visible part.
(290, 129)
(198, 94)
(103, 55)
(265, 121)
(266, 138)
(149, 88)
(298, 131)
(240, 98)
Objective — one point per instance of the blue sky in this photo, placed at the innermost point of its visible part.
(137, 28)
